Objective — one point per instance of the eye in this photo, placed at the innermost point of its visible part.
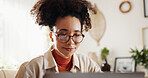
(62, 35)
(77, 35)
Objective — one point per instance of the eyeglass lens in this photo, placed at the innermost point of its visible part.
(75, 38)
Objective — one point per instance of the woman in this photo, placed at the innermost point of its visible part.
(66, 19)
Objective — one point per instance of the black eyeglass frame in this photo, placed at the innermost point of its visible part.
(69, 38)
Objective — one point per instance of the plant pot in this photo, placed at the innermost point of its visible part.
(105, 66)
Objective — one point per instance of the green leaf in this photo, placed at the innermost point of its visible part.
(141, 57)
(104, 53)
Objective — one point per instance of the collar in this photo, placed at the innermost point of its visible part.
(60, 60)
(49, 61)
(76, 61)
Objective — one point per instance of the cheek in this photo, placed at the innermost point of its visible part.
(77, 45)
(59, 46)
(56, 43)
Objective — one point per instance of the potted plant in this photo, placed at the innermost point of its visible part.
(105, 66)
(141, 57)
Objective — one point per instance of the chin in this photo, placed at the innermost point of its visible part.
(69, 54)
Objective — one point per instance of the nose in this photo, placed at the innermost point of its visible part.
(70, 41)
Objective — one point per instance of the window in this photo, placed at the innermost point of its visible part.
(20, 38)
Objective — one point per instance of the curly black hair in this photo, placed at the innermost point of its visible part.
(46, 12)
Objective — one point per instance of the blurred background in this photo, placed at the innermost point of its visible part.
(21, 39)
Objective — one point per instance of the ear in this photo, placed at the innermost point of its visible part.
(51, 37)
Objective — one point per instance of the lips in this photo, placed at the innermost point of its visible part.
(69, 49)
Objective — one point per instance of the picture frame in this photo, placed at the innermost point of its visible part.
(145, 37)
(145, 3)
(124, 65)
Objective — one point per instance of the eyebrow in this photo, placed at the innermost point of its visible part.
(63, 30)
(67, 30)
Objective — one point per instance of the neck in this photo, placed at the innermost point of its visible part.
(61, 54)
(61, 60)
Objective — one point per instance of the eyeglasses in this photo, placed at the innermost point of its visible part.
(77, 38)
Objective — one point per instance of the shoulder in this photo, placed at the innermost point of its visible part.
(87, 63)
(84, 58)
(34, 66)
(35, 62)
(28, 68)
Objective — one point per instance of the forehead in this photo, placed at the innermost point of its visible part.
(66, 30)
(68, 23)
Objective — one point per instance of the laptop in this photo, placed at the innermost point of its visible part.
(94, 75)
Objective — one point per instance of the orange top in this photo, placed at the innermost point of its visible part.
(64, 64)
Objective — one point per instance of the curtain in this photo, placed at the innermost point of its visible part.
(20, 38)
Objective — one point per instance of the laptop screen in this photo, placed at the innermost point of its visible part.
(94, 75)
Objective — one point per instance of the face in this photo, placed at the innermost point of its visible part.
(69, 26)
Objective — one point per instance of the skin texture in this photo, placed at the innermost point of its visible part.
(66, 25)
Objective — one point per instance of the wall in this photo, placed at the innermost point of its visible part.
(124, 30)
